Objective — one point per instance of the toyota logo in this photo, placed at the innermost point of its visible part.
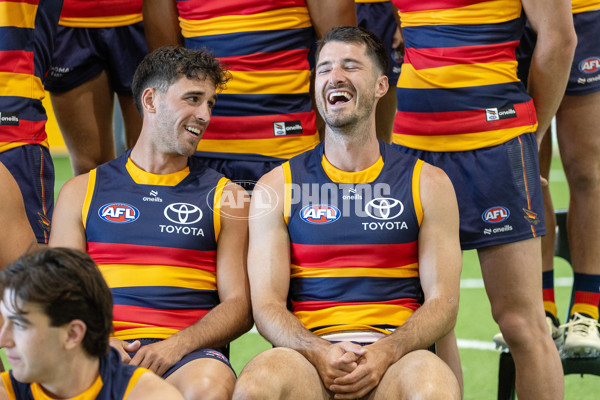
(183, 213)
(384, 208)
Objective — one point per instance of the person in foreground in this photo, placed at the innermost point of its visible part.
(362, 243)
(169, 234)
(57, 316)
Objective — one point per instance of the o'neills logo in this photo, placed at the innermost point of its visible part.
(287, 128)
(495, 114)
(9, 118)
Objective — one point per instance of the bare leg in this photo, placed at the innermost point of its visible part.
(385, 114)
(578, 128)
(280, 373)
(512, 274)
(132, 120)
(418, 375)
(204, 378)
(447, 350)
(549, 216)
(85, 118)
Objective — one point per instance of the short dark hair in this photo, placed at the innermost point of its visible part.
(355, 34)
(68, 285)
(164, 66)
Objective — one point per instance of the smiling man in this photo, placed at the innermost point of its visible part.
(57, 315)
(167, 240)
(355, 270)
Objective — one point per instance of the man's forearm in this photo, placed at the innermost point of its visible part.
(430, 322)
(283, 329)
(220, 326)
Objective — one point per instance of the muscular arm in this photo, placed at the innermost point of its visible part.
(67, 225)
(161, 23)
(17, 236)
(440, 263)
(552, 57)
(232, 317)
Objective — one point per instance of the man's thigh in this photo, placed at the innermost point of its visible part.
(419, 374)
(281, 373)
(206, 377)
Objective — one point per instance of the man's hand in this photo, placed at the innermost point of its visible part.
(158, 357)
(339, 360)
(371, 367)
(124, 348)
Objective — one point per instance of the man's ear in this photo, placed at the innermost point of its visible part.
(382, 86)
(149, 100)
(75, 332)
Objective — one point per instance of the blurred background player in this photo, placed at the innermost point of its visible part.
(169, 234)
(27, 31)
(461, 107)
(265, 116)
(578, 134)
(98, 46)
(375, 16)
(57, 315)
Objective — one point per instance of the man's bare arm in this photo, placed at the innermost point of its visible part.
(552, 57)
(161, 23)
(17, 236)
(67, 225)
(232, 317)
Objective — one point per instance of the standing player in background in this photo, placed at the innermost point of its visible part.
(265, 116)
(169, 234)
(27, 31)
(462, 108)
(375, 16)
(98, 46)
(578, 134)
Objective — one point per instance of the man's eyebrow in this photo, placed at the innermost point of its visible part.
(344, 61)
(18, 318)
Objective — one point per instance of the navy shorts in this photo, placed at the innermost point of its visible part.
(585, 70)
(243, 172)
(379, 19)
(32, 167)
(81, 54)
(194, 355)
(498, 191)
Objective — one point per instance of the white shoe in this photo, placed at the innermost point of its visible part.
(554, 330)
(582, 338)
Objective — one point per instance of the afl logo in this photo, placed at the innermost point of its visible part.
(320, 214)
(183, 213)
(384, 208)
(118, 213)
(494, 215)
(590, 65)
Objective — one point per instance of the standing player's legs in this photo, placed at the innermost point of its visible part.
(549, 239)
(85, 118)
(131, 119)
(512, 276)
(578, 122)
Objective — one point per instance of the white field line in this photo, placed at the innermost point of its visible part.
(478, 283)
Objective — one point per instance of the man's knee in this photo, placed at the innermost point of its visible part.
(278, 373)
(204, 379)
(419, 375)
